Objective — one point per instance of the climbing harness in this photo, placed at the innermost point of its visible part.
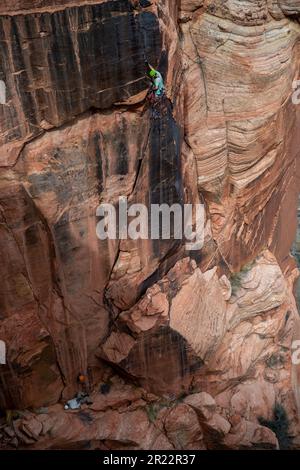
(157, 104)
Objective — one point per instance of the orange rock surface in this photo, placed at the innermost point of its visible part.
(181, 350)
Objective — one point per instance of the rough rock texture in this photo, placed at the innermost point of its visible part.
(201, 339)
(130, 418)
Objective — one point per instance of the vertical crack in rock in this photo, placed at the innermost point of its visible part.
(181, 350)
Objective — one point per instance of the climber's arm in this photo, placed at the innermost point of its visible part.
(150, 70)
(149, 67)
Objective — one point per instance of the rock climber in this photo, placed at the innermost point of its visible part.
(83, 383)
(157, 84)
(82, 396)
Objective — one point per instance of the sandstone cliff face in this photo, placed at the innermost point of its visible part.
(194, 346)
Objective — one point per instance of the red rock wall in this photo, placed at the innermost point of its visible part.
(74, 133)
(22, 6)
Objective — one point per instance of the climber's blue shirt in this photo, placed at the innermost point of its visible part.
(159, 84)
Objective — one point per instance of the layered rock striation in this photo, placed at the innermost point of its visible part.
(195, 346)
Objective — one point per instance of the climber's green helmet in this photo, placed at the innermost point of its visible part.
(152, 73)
